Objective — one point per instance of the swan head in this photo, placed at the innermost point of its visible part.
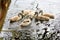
(41, 11)
(20, 14)
(22, 11)
(36, 14)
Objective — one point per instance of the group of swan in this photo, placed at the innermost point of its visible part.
(32, 14)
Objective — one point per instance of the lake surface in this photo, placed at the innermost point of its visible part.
(49, 6)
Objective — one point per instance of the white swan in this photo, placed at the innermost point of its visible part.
(26, 22)
(42, 18)
(49, 15)
(15, 18)
(28, 13)
(25, 12)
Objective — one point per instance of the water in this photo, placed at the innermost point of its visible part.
(49, 6)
